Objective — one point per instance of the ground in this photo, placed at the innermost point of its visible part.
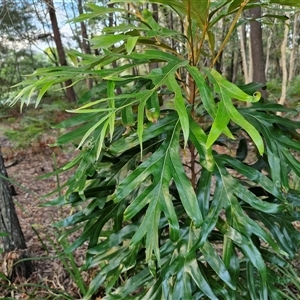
(24, 166)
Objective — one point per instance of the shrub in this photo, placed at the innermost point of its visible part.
(185, 194)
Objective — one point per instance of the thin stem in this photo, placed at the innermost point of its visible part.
(191, 33)
(238, 14)
(204, 31)
(193, 166)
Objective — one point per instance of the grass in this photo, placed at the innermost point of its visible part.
(292, 95)
(28, 127)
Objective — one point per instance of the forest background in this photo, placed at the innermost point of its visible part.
(27, 43)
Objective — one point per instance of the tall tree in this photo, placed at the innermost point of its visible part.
(60, 49)
(283, 61)
(268, 50)
(294, 46)
(242, 36)
(14, 244)
(85, 45)
(257, 53)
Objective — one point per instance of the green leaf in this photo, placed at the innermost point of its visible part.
(43, 90)
(148, 18)
(193, 270)
(219, 201)
(56, 202)
(203, 191)
(92, 129)
(220, 123)
(141, 110)
(200, 15)
(153, 108)
(251, 87)
(255, 176)
(251, 284)
(206, 96)
(149, 218)
(227, 91)
(231, 262)
(230, 89)
(127, 116)
(139, 202)
(205, 92)
(150, 131)
(112, 107)
(96, 12)
(163, 164)
(249, 251)
(131, 42)
(243, 193)
(180, 107)
(75, 120)
(242, 122)
(94, 285)
(184, 187)
(216, 263)
(131, 285)
(294, 3)
(199, 138)
(72, 136)
(107, 40)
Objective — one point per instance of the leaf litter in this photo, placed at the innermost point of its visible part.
(50, 280)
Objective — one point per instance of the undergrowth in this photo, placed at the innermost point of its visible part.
(29, 127)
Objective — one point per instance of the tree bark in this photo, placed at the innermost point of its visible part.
(14, 244)
(85, 43)
(269, 43)
(294, 46)
(9, 222)
(60, 49)
(111, 23)
(235, 65)
(243, 53)
(257, 53)
(283, 62)
(154, 65)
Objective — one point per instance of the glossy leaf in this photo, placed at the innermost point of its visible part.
(220, 123)
(286, 2)
(180, 107)
(223, 87)
(106, 41)
(230, 89)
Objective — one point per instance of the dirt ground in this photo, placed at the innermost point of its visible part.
(50, 278)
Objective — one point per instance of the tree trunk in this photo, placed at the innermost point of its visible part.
(170, 18)
(60, 49)
(294, 46)
(235, 66)
(283, 62)
(85, 43)
(111, 23)
(154, 65)
(243, 53)
(14, 243)
(257, 54)
(269, 43)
